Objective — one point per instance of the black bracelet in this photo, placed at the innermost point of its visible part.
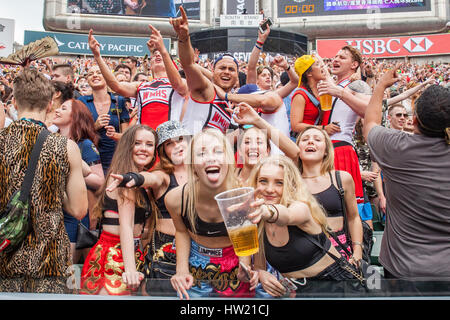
(288, 68)
(138, 178)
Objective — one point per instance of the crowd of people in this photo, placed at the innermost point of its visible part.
(140, 148)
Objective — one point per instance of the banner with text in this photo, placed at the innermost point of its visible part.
(71, 43)
(305, 8)
(389, 47)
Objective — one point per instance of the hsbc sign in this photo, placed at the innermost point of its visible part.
(389, 47)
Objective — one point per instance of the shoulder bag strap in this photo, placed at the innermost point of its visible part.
(316, 103)
(117, 111)
(344, 211)
(341, 262)
(29, 175)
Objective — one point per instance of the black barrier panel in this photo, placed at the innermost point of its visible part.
(243, 39)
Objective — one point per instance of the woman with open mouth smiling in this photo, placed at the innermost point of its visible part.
(316, 159)
(254, 140)
(204, 249)
(294, 232)
(170, 172)
(115, 263)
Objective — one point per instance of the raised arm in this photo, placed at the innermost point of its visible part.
(200, 87)
(373, 113)
(156, 42)
(409, 92)
(286, 90)
(125, 89)
(254, 56)
(245, 114)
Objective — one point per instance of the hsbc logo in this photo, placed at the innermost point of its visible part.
(391, 46)
(418, 44)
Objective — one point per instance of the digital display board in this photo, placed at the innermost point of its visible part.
(303, 8)
(142, 8)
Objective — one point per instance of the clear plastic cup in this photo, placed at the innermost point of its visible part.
(234, 206)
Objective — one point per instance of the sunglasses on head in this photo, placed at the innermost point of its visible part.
(398, 115)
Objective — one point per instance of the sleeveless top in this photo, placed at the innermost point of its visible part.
(203, 228)
(158, 102)
(140, 214)
(298, 253)
(211, 114)
(311, 112)
(160, 201)
(330, 200)
(46, 250)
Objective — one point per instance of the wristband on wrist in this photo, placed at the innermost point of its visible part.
(288, 68)
(138, 178)
(260, 48)
(259, 42)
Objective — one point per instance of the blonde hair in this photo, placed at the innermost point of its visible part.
(328, 159)
(294, 189)
(192, 186)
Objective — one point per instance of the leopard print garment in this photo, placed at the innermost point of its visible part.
(45, 253)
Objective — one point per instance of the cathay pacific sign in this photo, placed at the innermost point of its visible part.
(71, 43)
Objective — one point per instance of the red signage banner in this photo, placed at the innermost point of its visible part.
(388, 47)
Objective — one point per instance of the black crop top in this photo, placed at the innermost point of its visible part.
(140, 214)
(298, 254)
(160, 202)
(330, 200)
(203, 228)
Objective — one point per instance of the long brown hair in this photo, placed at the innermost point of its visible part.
(82, 123)
(122, 162)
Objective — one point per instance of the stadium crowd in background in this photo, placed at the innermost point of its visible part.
(410, 100)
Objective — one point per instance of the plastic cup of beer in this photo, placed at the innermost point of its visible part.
(326, 101)
(234, 206)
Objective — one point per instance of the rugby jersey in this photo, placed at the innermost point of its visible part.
(158, 102)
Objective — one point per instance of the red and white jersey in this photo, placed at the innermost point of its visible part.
(211, 114)
(158, 102)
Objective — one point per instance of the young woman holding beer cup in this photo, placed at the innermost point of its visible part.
(204, 249)
(289, 217)
(306, 105)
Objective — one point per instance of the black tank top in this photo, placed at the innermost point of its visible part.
(160, 202)
(140, 214)
(203, 228)
(330, 200)
(298, 254)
